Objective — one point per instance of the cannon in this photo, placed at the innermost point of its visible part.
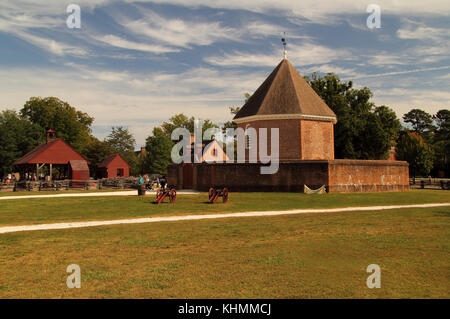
(161, 194)
(215, 193)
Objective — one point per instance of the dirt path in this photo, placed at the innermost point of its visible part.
(12, 229)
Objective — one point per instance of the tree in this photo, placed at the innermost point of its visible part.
(182, 121)
(441, 143)
(234, 110)
(363, 131)
(231, 124)
(123, 142)
(421, 122)
(391, 124)
(96, 151)
(51, 113)
(412, 148)
(442, 120)
(18, 137)
(159, 147)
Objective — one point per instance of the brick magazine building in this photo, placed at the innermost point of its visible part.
(306, 146)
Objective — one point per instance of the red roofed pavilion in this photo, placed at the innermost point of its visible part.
(55, 152)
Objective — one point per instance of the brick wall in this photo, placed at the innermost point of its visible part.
(246, 177)
(336, 175)
(299, 139)
(368, 176)
(317, 140)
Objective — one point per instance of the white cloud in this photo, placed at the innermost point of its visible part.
(123, 98)
(130, 45)
(301, 55)
(328, 68)
(423, 32)
(364, 76)
(403, 100)
(320, 11)
(179, 32)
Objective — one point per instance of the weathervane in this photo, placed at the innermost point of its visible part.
(283, 40)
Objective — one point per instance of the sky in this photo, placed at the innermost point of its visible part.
(135, 63)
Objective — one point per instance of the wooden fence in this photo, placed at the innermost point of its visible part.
(106, 183)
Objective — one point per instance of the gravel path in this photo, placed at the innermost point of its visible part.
(12, 229)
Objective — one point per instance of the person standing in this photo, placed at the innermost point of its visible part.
(163, 182)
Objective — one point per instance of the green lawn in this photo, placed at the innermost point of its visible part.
(35, 211)
(297, 256)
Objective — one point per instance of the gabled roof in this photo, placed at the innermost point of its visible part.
(55, 151)
(285, 94)
(111, 158)
(35, 151)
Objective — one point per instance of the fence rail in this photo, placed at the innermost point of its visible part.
(56, 185)
(430, 183)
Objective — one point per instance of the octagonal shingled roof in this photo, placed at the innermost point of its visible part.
(285, 92)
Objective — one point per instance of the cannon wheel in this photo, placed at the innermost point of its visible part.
(225, 195)
(172, 195)
(159, 192)
(211, 193)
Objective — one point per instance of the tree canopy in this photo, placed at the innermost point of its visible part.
(412, 148)
(182, 121)
(159, 147)
(18, 137)
(70, 124)
(363, 131)
(420, 120)
(122, 141)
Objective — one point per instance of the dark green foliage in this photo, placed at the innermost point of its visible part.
(158, 157)
(122, 141)
(182, 121)
(363, 131)
(71, 125)
(96, 151)
(441, 143)
(412, 148)
(17, 137)
(420, 121)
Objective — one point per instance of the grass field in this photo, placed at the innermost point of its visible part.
(298, 256)
(47, 210)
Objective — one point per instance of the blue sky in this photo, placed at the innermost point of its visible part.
(136, 63)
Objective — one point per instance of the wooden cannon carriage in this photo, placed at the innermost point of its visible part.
(161, 194)
(215, 193)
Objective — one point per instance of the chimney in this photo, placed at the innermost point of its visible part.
(50, 135)
(142, 149)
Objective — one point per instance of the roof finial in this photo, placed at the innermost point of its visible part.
(283, 40)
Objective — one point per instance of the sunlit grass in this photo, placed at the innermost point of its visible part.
(299, 256)
(46, 210)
